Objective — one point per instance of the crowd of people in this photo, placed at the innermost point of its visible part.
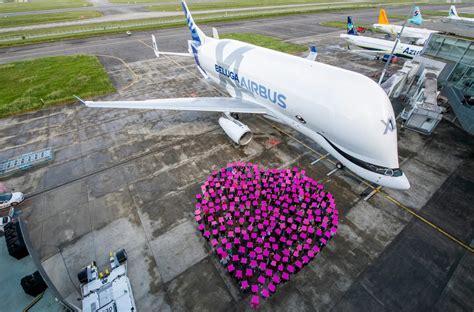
(264, 225)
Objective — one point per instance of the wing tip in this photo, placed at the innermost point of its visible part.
(80, 100)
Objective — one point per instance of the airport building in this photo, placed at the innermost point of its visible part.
(457, 77)
(445, 64)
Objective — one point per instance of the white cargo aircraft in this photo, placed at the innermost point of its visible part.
(420, 35)
(453, 15)
(378, 45)
(346, 113)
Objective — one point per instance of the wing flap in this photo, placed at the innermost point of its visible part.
(211, 104)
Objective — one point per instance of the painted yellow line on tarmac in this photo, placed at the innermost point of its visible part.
(136, 77)
(426, 221)
(388, 197)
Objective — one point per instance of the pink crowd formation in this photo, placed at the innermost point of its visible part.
(264, 225)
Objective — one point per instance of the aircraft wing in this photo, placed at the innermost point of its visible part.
(204, 104)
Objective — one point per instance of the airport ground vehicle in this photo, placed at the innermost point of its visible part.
(4, 221)
(107, 291)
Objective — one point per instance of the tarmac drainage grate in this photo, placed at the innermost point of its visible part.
(25, 161)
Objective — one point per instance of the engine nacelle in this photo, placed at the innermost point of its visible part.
(237, 131)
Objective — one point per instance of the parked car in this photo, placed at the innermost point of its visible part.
(4, 221)
(11, 199)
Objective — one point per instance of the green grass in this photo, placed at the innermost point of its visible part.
(236, 4)
(395, 16)
(139, 1)
(445, 14)
(42, 5)
(97, 29)
(266, 42)
(32, 85)
(33, 19)
(200, 6)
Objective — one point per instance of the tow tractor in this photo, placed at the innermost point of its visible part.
(108, 291)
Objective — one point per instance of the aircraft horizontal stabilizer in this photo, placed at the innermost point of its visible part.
(215, 33)
(211, 104)
(158, 53)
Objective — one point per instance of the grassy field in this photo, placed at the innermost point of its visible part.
(97, 29)
(229, 4)
(395, 16)
(24, 20)
(444, 13)
(32, 85)
(42, 5)
(235, 4)
(266, 42)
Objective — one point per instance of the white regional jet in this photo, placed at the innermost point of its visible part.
(346, 113)
(420, 35)
(453, 15)
(378, 45)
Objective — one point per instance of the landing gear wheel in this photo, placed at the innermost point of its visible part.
(235, 116)
(339, 165)
(14, 204)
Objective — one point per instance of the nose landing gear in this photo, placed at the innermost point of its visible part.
(339, 166)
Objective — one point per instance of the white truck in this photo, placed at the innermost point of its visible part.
(109, 291)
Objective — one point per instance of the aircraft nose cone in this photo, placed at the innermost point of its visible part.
(403, 183)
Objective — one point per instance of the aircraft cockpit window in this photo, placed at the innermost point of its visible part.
(391, 172)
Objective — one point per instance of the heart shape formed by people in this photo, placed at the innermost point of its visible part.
(264, 225)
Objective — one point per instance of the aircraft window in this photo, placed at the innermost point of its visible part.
(301, 119)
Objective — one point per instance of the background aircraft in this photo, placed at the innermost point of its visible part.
(419, 35)
(346, 113)
(453, 15)
(378, 45)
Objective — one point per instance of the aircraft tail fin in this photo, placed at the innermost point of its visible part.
(383, 18)
(453, 12)
(313, 53)
(416, 18)
(196, 34)
(351, 30)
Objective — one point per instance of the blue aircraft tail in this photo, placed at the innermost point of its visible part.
(196, 34)
(452, 11)
(416, 18)
(351, 29)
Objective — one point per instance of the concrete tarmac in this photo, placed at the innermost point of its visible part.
(128, 179)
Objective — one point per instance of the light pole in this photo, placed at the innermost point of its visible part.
(395, 46)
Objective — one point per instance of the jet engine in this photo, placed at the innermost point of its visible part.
(237, 131)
